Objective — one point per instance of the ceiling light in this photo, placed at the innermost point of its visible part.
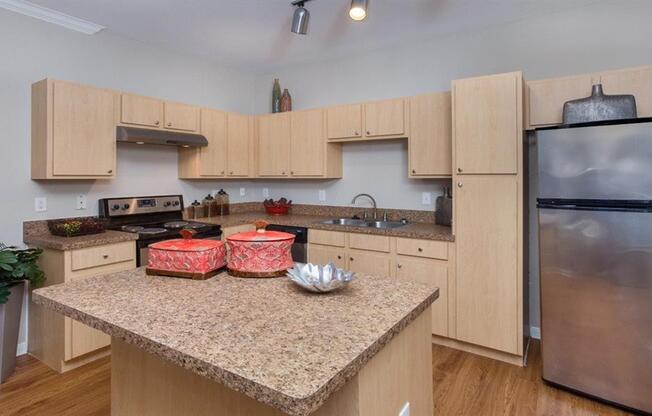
(300, 18)
(51, 16)
(358, 10)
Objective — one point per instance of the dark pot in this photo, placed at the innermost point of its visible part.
(9, 326)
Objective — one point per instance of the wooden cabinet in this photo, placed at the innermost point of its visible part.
(430, 141)
(344, 121)
(546, 98)
(487, 123)
(635, 81)
(141, 111)
(324, 254)
(369, 263)
(274, 145)
(307, 143)
(488, 274)
(60, 342)
(181, 117)
(212, 158)
(239, 148)
(433, 273)
(73, 131)
(385, 118)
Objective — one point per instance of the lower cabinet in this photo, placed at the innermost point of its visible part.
(60, 342)
(424, 261)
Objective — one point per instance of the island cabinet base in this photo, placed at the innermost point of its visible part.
(143, 384)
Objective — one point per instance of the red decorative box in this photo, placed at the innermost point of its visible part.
(191, 259)
(260, 253)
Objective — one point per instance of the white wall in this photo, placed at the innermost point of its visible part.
(608, 35)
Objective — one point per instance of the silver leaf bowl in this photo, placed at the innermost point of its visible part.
(319, 279)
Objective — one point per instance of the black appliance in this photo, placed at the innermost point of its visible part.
(300, 246)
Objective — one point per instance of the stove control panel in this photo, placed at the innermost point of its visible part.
(113, 207)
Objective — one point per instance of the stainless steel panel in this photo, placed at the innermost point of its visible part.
(599, 162)
(596, 311)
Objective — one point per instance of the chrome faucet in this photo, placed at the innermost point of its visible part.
(373, 201)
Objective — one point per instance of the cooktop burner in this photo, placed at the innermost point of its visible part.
(132, 228)
(152, 231)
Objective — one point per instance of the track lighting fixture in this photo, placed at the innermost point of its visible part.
(358, 10)
(300, 18)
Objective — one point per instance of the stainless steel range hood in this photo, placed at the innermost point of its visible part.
(162, 137)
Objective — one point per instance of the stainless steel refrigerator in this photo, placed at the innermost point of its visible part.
(595, 252)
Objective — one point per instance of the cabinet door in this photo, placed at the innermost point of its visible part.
(142, 111)
(637, 82)
(433, 273)
(430, 141)
(487, 269)
(487, 123)
(344, 121)
(325, 254)
(83, 131)
(238, 145)
(307, 143)
(385, 118)
(84, 339)
(547, 97)
(212, 158)
(369, 263)
(274, 144)
(181, 117)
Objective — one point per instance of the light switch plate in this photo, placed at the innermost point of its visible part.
(243, 192)
(81, 201)
(322, 195)
(405, 411)
(40, 204)
(265, 192)
(426, 198)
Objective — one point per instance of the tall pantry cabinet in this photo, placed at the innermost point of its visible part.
(488, 212)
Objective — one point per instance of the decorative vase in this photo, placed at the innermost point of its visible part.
(286, 101)
(276, 97)
(9, 327)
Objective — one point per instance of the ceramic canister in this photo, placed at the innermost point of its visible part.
(260, 253)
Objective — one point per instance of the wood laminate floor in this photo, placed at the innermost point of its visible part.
(464, 384)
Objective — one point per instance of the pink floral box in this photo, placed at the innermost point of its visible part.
(260, 253)
(194, 259)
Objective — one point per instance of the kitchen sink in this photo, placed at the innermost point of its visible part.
(365, 223)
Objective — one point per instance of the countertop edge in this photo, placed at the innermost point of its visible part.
(48, 241)
(294, 406)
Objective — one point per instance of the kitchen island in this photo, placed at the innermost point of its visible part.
(231, 346)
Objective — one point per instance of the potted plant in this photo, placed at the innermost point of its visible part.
(16, 268)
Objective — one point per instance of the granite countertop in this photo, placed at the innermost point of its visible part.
(266, 338)
(36, 234)
(421, 230)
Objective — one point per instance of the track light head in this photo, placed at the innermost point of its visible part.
(300, 18)
(358, 10)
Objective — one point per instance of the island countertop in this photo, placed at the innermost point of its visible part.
(265, 338)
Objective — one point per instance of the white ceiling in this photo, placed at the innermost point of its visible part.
(255, 34)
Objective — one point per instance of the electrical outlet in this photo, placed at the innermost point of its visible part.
(81, 201)
(265, 192)
(405, 411)
(40, 204)
(243, 191)
(322, 195)
(426, 199)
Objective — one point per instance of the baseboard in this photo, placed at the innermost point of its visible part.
(535, 332)
(22, 348)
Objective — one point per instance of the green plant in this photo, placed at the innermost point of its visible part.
(18, 264)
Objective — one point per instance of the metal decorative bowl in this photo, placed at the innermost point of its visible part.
(319, 279)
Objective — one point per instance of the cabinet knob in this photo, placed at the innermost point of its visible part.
(291, 172)
(339, 257)
(156, 123)
(109, 171)
(459, 184)
(459, 169)
(355, 133)
(368, 133)
(283, 173)
(169, 124)
(420, 250)
(230, 173)
(222, 173)
(414, 171)
(351, 258)
(106, 256)
(400, 266)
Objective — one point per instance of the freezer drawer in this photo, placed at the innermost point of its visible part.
(598, 162)
(596, 303)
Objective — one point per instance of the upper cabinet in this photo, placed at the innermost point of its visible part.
(487, 123)
(430, 141)
(307, 143)
(141, 111)
(73, 131)
(344, 121)
(547, 97)
(230, 147)
(274, 145)
(154, 113)
(386, 119)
